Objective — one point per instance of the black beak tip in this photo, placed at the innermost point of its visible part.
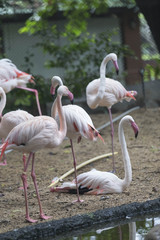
(117, 71)
(136, 135)
(71, 101)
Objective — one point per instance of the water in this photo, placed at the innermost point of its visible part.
(134, 229)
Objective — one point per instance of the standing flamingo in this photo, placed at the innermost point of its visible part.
(33, 135)
(10, 120)
(79, 123)
(11, 77)
(98, 182)
(106, 92)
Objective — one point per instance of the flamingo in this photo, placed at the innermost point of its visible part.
(99, 182)
(10, 120)
(106, 92)
(79, 124)
(36, 134)
(11, 77)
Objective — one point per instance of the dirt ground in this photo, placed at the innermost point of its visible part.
(145, 159)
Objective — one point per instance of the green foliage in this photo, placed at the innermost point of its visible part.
(81, 59)
(75, 12)
(152, 72)
(22, 99)
(26, 100)
(80, 53)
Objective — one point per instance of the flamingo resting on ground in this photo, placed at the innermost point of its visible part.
(98, 182)
(11, 77)
(79, 123)
(36, 134)
(106, 92)
(10, 120)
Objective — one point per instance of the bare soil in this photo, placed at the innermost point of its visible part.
(145, 158)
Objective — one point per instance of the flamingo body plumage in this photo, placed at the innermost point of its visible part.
(11, 77)
(114, 92)
(11, 119)
(36, 134)
(100, 182)
(106, 92)
(79, 123)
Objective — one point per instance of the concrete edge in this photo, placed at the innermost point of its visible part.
(56, 228)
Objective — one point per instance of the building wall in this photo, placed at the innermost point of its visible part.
(17, 46)
(132, 38)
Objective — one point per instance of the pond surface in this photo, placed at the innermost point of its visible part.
(133, 230)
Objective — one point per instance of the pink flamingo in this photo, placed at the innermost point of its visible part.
(97, 182)
(106, 92)
(10, 120)
(36, 134)
(11, 77)
(79, 124)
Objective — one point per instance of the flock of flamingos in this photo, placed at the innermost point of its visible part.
(19, 130)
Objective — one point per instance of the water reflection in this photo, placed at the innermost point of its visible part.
(129, 229)
(154, 233)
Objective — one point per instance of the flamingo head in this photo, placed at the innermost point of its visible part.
(129, 120)
(64, 91)
(133, 92)
(55, 81)
(113, 57)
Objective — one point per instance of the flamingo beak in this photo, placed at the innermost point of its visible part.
(135, 128)
(71, 97)
(52, 91)
(116, 66)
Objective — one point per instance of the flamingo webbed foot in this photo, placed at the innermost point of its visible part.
(22, 188)
(78, 201)
(31, 220)
(4, 163)
(43, 216)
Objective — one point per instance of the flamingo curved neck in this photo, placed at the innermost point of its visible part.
(126, 159)
(54, 108)
(62, 119)
(56, 81)
(101, 88)
(2, 102)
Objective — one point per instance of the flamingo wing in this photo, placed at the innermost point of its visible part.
(93, 182)
(79, 123)
(33, 135)
(114, 92)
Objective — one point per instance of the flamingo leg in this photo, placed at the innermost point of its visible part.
(24, 164)
(75, 170)
(36, 94)
(4, 160)
(24, 179)
(42, 215)
(112, 137)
